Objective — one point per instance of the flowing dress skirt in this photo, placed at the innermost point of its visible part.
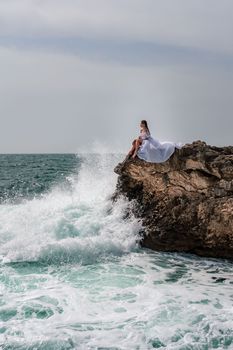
(154, 151)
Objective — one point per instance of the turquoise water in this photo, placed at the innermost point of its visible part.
(72, 275)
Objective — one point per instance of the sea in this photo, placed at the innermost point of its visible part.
(74, 276)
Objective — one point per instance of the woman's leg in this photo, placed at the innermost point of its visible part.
(137, 145)
(132, 148)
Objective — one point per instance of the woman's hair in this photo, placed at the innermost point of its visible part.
(144, 122)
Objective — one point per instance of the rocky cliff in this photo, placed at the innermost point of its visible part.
(186, 203)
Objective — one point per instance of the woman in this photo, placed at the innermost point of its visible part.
(144, 133)
(150, 149)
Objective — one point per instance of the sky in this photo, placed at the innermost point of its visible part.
(79, 75)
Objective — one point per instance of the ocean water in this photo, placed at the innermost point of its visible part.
(73, 275)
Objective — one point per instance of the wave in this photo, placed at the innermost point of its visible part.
(79, 224)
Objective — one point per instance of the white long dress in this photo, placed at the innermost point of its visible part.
(154, 151)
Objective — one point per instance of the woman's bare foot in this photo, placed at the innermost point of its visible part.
(128, 156)
(134, 155)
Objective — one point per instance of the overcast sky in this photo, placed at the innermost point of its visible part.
(79, 75)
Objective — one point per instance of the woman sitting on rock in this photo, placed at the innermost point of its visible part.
(149, 149)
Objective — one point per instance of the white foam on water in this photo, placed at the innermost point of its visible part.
(73, 277)
(128, 303)
(77, 225)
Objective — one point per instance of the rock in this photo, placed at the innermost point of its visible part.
(186, 203)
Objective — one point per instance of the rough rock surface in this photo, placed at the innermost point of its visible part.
(186, 203)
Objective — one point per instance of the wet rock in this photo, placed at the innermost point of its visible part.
(186, 203)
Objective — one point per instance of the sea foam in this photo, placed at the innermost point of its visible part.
(79, 224)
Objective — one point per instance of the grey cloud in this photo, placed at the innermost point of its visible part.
(194, 23)
(122, 52)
